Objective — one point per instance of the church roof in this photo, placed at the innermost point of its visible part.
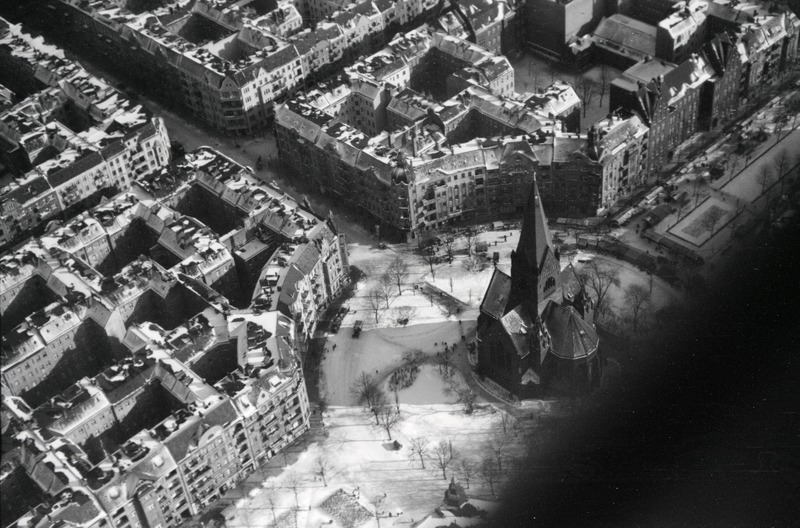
(517, 324)
(535, 239)
(572, 337)
(496, 298)
(570, 283)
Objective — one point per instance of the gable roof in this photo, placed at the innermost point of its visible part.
(518, 325)
(621, 33)
(496, 297)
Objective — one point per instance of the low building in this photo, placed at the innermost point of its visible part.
(621, 41)
(557, 102)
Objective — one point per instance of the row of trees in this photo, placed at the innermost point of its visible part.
(374, 399)
(395, 276)
(599, 279)
(780, 168)
(444, 458)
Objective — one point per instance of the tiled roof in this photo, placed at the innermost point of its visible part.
(78, 167)
(306, 257)
(572, 337)
(27, 191)
(518, 325)
(496, 297)
(626, 33)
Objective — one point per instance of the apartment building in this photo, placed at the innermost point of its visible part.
(463, 153)
(768, 37)
(666, 96)
(683, 32)
(722, 93)
(229, 62)
(620, 146)
(188, 394)
(75, 138)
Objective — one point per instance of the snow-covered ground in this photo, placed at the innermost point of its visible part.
(379, 352)
(662, 294)
(382, 344)
(357, 450)
(429, 387)
(371, 474)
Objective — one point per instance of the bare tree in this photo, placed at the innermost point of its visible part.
(466, 470)
(710, 220)
(599, 279)
(605, 79)
(323, 467)
(466, 396)
(379, 402)
(419, 448)
(293, 482)
(364, 390)
(431, 259)
(637, 298)
(764, 177)
(375, 301)
(404, 314)
(489, 472)
(792, 108)
(737, 217)
(508, 422)
(272, 499)
(388, 417)
(781, 164)
(585, 90)
(385, 285)
(469, 238)
(443, 456)
(499, 444)
(398, 271)
(449, 247)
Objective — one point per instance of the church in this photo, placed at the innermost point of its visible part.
(536, 332)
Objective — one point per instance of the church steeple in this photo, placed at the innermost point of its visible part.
(531, 256)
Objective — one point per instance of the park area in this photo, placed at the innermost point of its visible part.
(353, 472)
(435, 421)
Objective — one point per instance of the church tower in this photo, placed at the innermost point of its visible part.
(534, 264)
